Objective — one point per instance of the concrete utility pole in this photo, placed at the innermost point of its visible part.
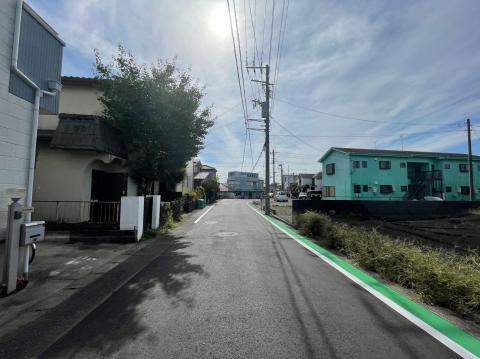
(267, 137)
(281, 176)
(470, 164)
(274, 185)
(266, 115)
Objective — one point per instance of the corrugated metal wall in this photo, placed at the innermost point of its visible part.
(40, 58)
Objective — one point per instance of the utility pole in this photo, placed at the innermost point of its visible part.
(281, 176)
(470, 164)
(266, 115)
(267, 137)
(274, 185)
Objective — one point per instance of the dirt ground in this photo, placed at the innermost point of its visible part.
(459, 233)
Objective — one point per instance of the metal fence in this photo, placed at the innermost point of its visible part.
(105, 212)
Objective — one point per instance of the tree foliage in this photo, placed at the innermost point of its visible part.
(211, 187)
(159, 110)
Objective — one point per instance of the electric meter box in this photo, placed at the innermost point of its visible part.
(32, 232)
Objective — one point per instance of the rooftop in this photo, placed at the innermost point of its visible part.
(78, 80)
(90, 133)
(378, 152)
(202, 175)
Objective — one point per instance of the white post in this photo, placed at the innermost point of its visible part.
(131, 215)
(156, 211)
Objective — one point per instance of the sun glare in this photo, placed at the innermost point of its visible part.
(218, 21)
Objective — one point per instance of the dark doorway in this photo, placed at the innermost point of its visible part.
(416, 176)
(107, 190)
(108, 186)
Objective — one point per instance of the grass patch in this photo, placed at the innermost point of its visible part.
(440, 277)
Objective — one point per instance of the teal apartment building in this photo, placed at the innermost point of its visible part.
(352, 173)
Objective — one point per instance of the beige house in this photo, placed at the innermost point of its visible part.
(81, 160)
(186, 186)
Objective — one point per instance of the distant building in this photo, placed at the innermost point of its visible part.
(317, 181)
(288, 180)
(305, 181)
(351, 173)
(245, 184)
(202, 172)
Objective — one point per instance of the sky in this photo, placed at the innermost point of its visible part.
(352, 73)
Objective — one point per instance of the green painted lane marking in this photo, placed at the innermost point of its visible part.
(443, 326)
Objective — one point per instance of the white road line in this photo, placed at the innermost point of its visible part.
(199, 218)
(442, 338)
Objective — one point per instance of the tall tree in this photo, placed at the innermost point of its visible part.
(159, 110)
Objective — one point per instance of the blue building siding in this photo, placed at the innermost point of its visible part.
(40, 58)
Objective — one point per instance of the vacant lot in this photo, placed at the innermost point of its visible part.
(460, 233)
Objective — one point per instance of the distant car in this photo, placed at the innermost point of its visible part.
(281, 197)
(302, 195)
(314, 194)
(270, 195)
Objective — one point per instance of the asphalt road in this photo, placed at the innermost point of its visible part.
(234, 286)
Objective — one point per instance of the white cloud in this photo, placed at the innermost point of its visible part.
(379, 60)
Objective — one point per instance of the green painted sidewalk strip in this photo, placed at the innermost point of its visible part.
(448, 329)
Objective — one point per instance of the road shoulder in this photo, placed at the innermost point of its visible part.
(447, 333)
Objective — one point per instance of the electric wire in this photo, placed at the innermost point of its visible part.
(238, 74)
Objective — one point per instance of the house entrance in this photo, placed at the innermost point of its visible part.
(416, 177)
(107, 189)
(107, 186)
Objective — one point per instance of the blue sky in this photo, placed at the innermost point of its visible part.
(352, 73)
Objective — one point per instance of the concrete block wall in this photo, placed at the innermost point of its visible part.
(15, 119)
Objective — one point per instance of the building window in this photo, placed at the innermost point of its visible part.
(365, 164)
(448, 189)
(386, 188)
(330, 169)
(403, 165)
(446, 166)
(384, 165)
(356, 164)
(465, 189)
(357, 188)
(462, 167)
(404, 188)
(329, 191)
(365, 188)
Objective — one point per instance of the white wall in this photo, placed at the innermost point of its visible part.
(131, 215)
(15, 119)
(186, 186)
(74, 99)
(66, 175)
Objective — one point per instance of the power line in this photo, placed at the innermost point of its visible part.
(271, 32)
(236, 62)
(258, 159)
(412, 122)
(242, 89)
(298, 138)
(263, 32)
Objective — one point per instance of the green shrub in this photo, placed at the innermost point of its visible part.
(315, 225)
(440, 277)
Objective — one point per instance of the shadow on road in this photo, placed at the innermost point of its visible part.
(117, 321)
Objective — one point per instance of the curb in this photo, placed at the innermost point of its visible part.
(32, 339)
